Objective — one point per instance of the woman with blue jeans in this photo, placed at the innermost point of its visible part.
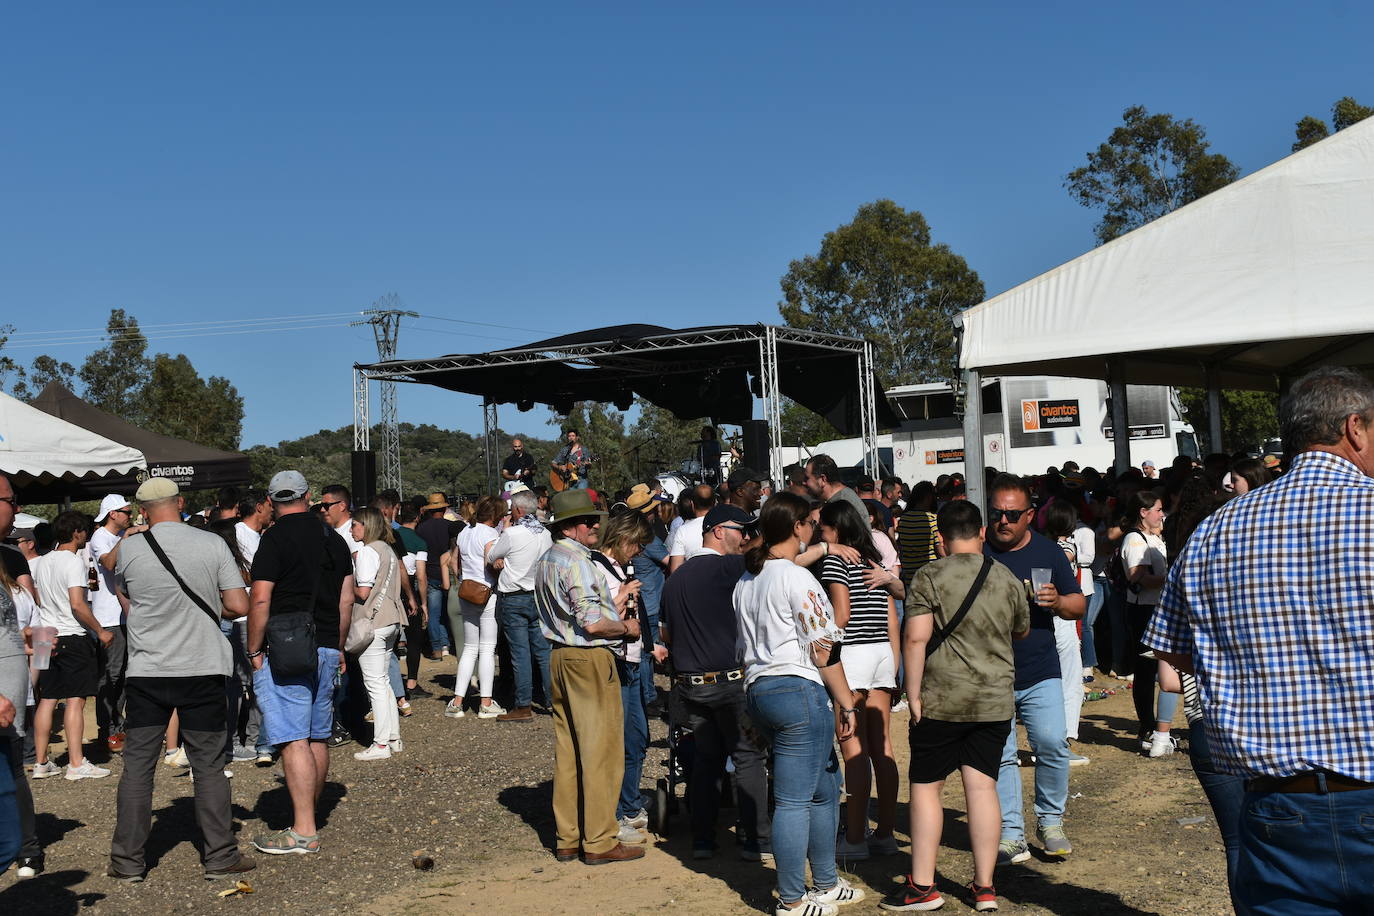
(791, 659)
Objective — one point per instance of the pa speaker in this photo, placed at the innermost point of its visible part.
(756, 454)
(364, 477)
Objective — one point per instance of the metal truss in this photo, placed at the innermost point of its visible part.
(868, 411)
(386, 325)
(362, 427)
(772, 401)
(489, 426)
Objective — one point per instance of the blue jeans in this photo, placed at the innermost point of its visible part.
(796, 716)
(1303, 854)
(636, 693)
(1095, 602)
(1040, 707)
(1225, 792)
(519, 619)
(11, 836)
(438, 638)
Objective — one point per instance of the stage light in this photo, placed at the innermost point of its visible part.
(624, 400)
(524, 405)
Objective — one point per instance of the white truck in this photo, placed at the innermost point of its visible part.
(1032, 423)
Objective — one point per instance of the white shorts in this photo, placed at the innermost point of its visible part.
(869, 666)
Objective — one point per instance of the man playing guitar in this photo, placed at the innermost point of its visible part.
(571, 463)
(518, 466)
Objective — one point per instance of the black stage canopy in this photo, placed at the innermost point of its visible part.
(694, 372)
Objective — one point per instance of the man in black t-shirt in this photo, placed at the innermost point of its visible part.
(699, 628)
(297, 557)
(518, 466)
(437, 532)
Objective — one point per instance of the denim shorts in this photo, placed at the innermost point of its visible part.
(300, 707)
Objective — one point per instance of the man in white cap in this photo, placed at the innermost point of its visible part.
(110, 607)
(180, 582)
(1148, 468)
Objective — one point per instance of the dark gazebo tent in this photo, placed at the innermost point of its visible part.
(192, 466)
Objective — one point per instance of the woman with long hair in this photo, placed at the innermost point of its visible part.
(1248, 474)
(478, 620)
(1144, 560)
(376, 566)
(872, 648)
(791, 646)
(623, 536)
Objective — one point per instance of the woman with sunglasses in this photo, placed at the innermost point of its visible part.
(791, 646)
(872, 644)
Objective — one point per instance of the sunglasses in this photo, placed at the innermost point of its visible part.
(336, 502)
(1011, 515)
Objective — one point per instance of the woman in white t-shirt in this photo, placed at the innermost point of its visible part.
(1144, 560)
(479, 620)
(376, 566)
(791, 647)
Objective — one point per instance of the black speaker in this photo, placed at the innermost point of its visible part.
(364, 477)
(756, 446)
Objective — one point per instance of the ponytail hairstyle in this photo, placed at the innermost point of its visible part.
(851, 529)
(777, 523)
(1135, 504)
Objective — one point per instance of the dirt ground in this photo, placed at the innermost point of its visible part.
(474, 796)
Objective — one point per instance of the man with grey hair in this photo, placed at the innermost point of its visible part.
(1270, 604)
(515, 554)
(179, 583)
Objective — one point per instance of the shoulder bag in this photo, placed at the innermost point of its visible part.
(364, 623)
(939, 638)
(291, 640)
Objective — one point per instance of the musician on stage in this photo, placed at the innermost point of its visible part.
(573, 458)
(519, 465)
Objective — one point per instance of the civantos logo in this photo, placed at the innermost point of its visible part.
(173, 470)
(1039, 415)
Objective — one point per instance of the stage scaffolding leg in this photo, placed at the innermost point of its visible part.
(772, 402)
(1121, 424)
(868, 414)
(974, 475)
(1213, 411)
(489, 442)
(362, 426)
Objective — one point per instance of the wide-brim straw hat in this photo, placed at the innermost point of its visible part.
(573, 504)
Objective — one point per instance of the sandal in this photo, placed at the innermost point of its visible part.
(283, 842)
(404, 707)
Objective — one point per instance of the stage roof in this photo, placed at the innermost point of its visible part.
(693, 372)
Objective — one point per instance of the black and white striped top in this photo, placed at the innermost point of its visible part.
(867, 607)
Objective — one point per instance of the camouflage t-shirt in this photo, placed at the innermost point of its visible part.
(970, 677)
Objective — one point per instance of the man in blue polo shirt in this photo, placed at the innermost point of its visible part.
(1038, 690)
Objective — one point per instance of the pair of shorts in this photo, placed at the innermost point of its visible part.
(72, 671)
(869, 666)
(298, 707)
(938, 748)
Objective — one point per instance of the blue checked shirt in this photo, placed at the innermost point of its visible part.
(1273, 596)
(570, 593)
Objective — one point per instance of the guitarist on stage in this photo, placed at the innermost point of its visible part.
(571, 464)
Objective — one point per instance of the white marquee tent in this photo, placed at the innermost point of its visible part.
(37, 447)
(1246, 288)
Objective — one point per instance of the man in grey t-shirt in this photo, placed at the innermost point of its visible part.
(178, 661)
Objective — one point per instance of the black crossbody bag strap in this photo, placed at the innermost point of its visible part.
(939, 638)
(162, 556)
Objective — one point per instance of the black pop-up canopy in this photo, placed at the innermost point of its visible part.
(192, 466)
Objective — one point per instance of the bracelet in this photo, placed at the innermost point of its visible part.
(846, 712)
(253, 654)
(825, 548)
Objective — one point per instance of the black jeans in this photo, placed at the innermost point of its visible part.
(1145, 669)
(715, 714)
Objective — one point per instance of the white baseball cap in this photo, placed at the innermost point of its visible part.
(112, 503)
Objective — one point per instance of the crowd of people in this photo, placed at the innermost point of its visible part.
(789, 624)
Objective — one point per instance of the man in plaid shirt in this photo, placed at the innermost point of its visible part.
(1272, 604)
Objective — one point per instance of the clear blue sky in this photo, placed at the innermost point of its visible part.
(564, 166)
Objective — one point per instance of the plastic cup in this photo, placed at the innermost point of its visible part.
(1040, 577)
(44, 638)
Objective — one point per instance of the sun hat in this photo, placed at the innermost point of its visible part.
(573, 504)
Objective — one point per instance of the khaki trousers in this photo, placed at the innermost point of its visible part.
(589, 748)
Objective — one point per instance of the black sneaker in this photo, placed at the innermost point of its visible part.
(912, 897)
(29, 866)
(339, 736)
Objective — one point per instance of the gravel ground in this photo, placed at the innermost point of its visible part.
(473, 795)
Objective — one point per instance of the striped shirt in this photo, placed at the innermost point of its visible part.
(868, 608)
(571, 593)
(915, 540)
(1273, 596)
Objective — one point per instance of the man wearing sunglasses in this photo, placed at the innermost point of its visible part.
(110, 607)
(1039, 692)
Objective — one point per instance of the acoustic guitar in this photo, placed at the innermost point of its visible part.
(563, 476)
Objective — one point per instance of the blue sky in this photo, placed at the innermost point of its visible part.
(563, 166)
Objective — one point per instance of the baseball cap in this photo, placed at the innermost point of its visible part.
(1147, 463)
(742, 475)
(723, 513)
(286, 486)
(153, 489)
(112, 503)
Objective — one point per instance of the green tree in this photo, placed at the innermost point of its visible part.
(1344, 113)
(1247, 418)
(43, 370)
(115, 374)
(176, 401)
(8, 366)
(1150, 165)
(659, 441)
(880, 277)
(804, 427)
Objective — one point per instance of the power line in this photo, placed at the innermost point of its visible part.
(152, 337)
(187, 324)
(481, 324)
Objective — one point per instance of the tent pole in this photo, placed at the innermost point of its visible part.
(1121, 429)
(973, 438)
(868, 418)
(1213, 411)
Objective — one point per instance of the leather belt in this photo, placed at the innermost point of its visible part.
(1311, 781)
(710, 677)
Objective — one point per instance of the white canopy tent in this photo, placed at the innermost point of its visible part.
(1246, 288)
(36, 447)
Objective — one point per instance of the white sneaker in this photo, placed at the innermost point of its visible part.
(177, 758)
(1162, 744)
(454, 709)
(900, 705)
(639, 821)
(26, 871)
(1078, 760)
(397, 746)
(87, 770)
(44, 770)
(631, 836)
(1147, 741)
(853, 851)
(807, 906)
(375, 752)
(490, 711)
(842, 893)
